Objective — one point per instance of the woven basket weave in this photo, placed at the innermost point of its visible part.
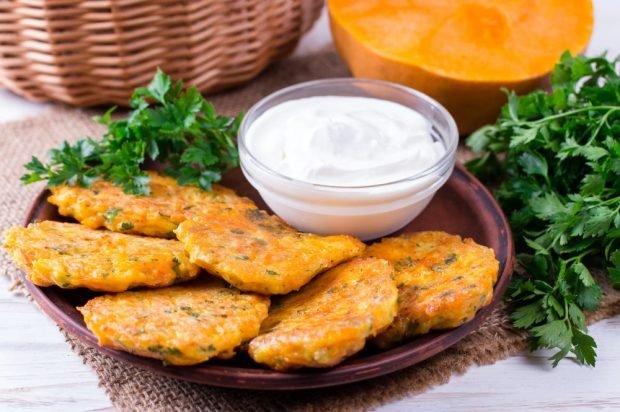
(89, 52)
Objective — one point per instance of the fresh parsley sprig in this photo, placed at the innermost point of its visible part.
(168, 124)
(554, 159)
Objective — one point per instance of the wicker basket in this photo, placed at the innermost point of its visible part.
(89, 52)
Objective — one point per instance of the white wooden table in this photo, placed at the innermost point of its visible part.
(38, 371)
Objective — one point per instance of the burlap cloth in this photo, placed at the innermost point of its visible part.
(132, 389)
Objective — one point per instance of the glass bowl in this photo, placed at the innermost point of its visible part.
(367, 212)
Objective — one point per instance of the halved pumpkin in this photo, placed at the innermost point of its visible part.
(461, 52)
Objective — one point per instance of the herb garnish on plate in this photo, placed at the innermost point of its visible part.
(167, 124)
(556, 157)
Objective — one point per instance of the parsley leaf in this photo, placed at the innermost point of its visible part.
(554, 161)
(168, 124)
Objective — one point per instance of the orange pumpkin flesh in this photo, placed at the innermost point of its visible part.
(460, 52)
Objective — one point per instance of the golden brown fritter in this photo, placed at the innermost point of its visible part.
(442, 281)
(71, 255)
(158, 214)
(257, 252)
(181, 325)
(330, 318)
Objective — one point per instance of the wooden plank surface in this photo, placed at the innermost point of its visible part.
(38, 371)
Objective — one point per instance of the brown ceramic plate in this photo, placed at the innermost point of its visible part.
(463, 206)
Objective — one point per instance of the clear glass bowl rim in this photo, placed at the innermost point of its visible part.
(442, 164)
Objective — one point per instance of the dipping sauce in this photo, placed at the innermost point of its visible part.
(347, 156)
(344, 141)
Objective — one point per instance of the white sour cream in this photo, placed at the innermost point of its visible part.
(344, 141)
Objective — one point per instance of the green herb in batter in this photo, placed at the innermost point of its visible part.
(168, 124)
(179, 274)
(556, 157)
(450, 259)
(404, 263)
(111, 214)
(209, 348)
(126, 226)
(165, 351)
(190, 311)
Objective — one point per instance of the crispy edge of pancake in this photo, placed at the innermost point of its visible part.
(50, 253)
(180, 325)
(443, 281)
(329, 319)
(257, 252)
(106, 205)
